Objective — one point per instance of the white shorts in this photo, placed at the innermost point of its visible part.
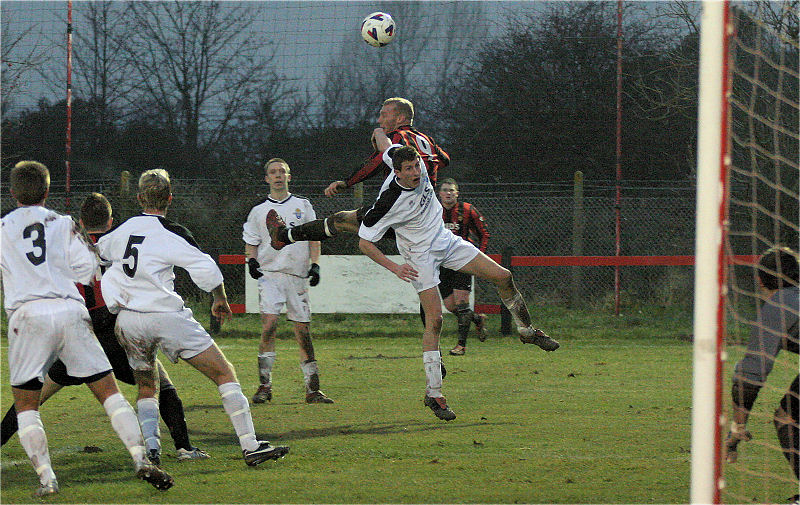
(453, 252)
(176, 333)
(41, 331)
(278, 289)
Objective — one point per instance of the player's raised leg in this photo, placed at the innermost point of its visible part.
(484, 267)
(213, 364)
(431, 356)
(319, 229)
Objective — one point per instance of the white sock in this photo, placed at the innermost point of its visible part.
(310, 369)
(147, 410)
(514, 305)
(238, 410)
(432, 360)
(328, 231)
(34, 441)
(266, 360)
(126, 424)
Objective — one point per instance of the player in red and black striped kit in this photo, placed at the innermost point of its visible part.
(96, 219)
(395, 120)
(464, 220)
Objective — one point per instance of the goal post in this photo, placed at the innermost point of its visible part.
(709, 282)
(748, 168)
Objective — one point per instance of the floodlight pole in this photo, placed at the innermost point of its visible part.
(68, 143)
(617, 202)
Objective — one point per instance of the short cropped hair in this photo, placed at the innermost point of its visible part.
(403, 106)
(401, 154)
(30, 181)
(277, 160)
(154, 189)
(448, 180)
(95, 211)
(778, 268)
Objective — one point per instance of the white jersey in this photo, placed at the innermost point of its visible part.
(414, 214)
(292, 259)
(43, 255)
(143, 251)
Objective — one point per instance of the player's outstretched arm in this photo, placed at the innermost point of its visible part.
(335, 188)
(405, 271)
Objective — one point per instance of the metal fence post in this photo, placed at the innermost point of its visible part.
(505, 315)
(124, 183)
(358, 195)
(577, 236)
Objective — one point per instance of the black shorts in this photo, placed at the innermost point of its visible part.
(452, 279)
(361, 212)
(103, 322)
(790, 402)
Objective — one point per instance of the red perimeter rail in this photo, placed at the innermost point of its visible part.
(550, 261)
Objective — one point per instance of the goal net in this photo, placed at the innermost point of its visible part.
(763, 213)
(755, 208)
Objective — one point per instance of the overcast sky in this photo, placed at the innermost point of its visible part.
(306, 35)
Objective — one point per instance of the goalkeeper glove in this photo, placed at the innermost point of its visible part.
(737, 434)
(253, 266)
(313, 274)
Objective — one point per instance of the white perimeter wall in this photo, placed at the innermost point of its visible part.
(352, 284)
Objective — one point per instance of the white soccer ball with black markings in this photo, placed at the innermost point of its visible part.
(378, 29)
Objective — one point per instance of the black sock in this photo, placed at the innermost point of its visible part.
(464, 315)
(9, 425)
(171, 408)
(313, 230)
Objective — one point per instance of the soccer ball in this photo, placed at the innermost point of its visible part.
(378, 29)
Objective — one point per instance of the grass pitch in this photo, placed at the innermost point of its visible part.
(605, 419)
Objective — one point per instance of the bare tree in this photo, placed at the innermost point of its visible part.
(99, 59)
(435, 38)
(196, 66)
(22, 52)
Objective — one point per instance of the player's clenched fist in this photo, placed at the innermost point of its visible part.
(253, 267)
(222, 311)
(313, 274)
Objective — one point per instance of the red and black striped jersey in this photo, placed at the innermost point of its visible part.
(465, 221)
(91, 292)
(434, 156)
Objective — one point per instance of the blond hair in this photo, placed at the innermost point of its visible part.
(155, 189)
(403, 106)
(277, 160)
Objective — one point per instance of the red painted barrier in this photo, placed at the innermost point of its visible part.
(547, 261)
